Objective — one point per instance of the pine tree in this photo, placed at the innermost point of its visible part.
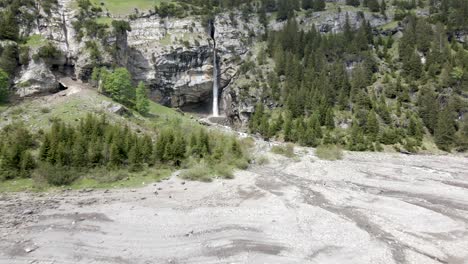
(354, 3)
(347, 30)
(203, 143)
(315, 122)
(330, 119)
(328, 139)
(235, 148)
(95, 152)
(115, 156)
(357, 142)
(463, 137)
(62, 157)
(44, 151)
(363, 101)
(193, 146)
(4, 85)
(413, 66)
(319, 5)
(424, 35)
(9, 27)
(288, 133)
(79, 152)
(444, 133)
(307, 4)
(257, 117)
(383, 111)
(313, 133)
(299, 131)
(146, 149)
(415, 128)
(134, 158)
(374, 5)
(428, 109)
(280, 60)
(142, 101)
(277, 125)
(383, 8)
(308, 137)
(27, 164)
(9, 162)
(265, 127)
(372, 126)
(163, 145)
(218, 152)
(179, 149)
(9, 59)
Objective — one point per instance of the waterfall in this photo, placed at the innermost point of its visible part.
(215, 84)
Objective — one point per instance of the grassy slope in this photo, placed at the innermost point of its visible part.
(132, 180)
(125, 7)
(39, 112)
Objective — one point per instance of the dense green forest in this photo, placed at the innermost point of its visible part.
(394, 91)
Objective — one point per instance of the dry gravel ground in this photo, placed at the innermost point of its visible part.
(366, 208)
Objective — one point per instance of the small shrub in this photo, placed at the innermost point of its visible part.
(56, 175)
(186, 43)
(199, 172)
(329, 152)
(224, 171)
(23, 84)
(17, 111)
(262, 160)
(45, 110)
(285, 150)
(24, 55)
(242, 164)
(48, 52)
(103, 175)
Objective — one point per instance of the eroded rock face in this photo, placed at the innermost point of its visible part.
(34, 79)
(173, 56)
(334, 21)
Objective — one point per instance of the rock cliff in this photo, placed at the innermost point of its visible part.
(173, 56)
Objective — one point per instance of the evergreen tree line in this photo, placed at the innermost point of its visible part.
(95, 143)
(452, 13)
(285, 8)
(442, 77)
(373, 5)
(16, 144)
(14, 13)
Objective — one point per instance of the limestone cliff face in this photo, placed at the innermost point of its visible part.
(174, 57)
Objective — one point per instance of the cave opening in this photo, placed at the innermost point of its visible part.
(201, 108)
(61, 87)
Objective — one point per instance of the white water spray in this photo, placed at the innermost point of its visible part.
(215, 84)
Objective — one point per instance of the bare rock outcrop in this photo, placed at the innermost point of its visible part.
(36, 78)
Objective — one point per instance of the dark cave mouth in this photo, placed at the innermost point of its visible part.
(201, 108)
